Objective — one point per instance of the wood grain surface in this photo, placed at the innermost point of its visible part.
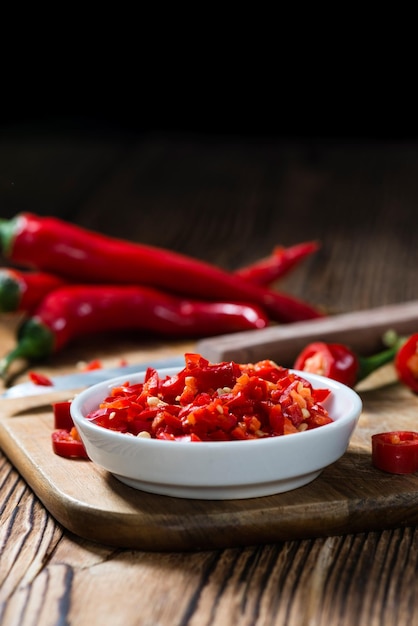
(228, 200)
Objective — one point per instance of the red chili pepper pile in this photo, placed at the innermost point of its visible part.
(215, 402)
(78, 281)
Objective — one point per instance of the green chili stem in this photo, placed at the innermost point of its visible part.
(372, 363)
(9, 293)
(35, 341)
(7, 234)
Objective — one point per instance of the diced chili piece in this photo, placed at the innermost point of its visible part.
(95, 364)
(62, 415)
(40, 379)
(68, 444)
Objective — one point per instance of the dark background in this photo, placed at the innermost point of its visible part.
(266, 109)
(283, 125)
(226, 177)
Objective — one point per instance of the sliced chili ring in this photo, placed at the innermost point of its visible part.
(396, 451)
(66, 444)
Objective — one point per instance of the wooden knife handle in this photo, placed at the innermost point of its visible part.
(361, 330)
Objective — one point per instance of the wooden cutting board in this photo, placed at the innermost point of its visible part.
(349, 496)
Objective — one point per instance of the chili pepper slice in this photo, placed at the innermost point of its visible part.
(40, 379)
(333, 360)
(67, 443)
(395, 452)
(94, 364)
(406, 363)
(339, 362)
(62, 415)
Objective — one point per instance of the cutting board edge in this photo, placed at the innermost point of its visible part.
(98, 524)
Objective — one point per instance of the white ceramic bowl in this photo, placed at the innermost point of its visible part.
(218, 470)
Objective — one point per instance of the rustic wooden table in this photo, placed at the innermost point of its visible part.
(228, 200)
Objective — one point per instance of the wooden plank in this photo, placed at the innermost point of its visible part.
(92, 504)
(361, 330)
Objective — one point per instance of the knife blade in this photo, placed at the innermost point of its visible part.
(78, 380)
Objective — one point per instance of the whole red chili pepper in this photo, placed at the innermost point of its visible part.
(22, 291)
(53, 245)
(76, 310)
(406, 363)
(278, 264)
(339, 362)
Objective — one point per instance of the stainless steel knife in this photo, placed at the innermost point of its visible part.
(78, 380)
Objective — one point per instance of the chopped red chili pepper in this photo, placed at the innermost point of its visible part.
(95, 364)
(65, 438)
(406, 363)
(40, 379)
(67, 443)
(396, 452)
(215, 402)
(62, 415)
